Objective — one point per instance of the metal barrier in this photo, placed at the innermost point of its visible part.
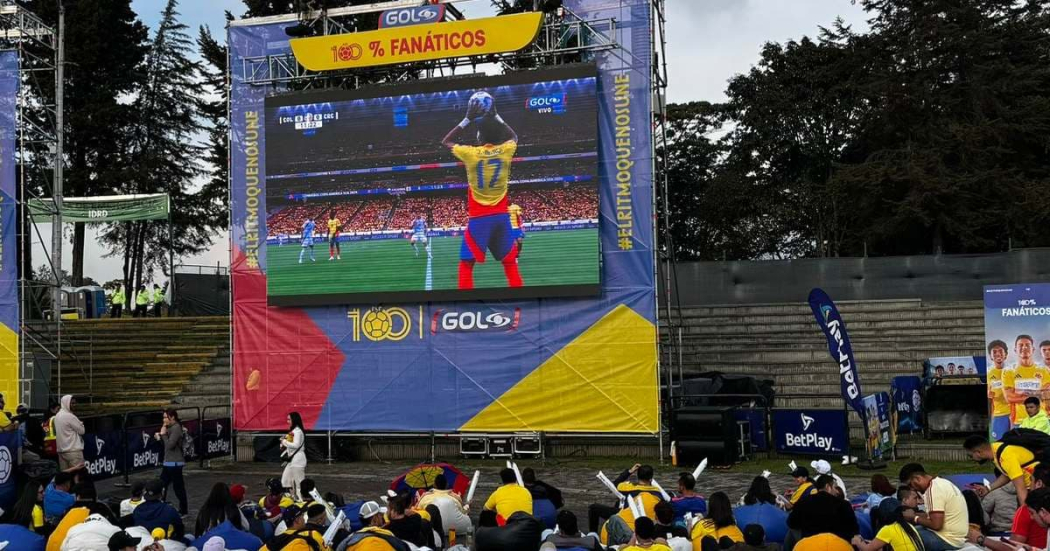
(123, 443)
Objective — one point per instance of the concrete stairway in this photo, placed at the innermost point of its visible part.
(131, 364)
(782, 342)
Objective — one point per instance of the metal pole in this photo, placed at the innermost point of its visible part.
(171, 261)
(56, 219)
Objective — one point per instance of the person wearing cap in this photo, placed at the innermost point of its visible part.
(157, 299)
(122, 541)
(509, 498)
(154, 513)
(805, 487)
(823, 467)
(275, 500)
(305, 531)
(373, 537)
(644, 489)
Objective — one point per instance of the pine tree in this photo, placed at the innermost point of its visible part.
(213, 109)
(166, 158)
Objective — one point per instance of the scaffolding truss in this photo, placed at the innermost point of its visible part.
(37, 136)
(564, 38)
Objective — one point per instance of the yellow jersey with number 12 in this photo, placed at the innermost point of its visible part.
(1000, 406)
(488, 172)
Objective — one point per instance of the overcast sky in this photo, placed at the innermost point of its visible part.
(708, 41)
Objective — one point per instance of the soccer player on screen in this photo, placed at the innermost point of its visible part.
(308, 240)
(419, 235)
(488, 171)
(333, 237)
(516, 219)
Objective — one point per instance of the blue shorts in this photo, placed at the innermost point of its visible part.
(308, 241)
(1000, 424)
(517, 233)
(490, 233)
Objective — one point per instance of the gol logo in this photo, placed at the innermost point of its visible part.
(380, 324)
(458, 322)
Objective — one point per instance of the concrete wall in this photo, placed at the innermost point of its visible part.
(930, 278)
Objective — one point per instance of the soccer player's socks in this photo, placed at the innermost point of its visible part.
(466, 274)
(510, 268)
(301, 251)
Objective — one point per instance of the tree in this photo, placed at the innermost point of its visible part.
(105, 46)
(165, 156)
(213, 108)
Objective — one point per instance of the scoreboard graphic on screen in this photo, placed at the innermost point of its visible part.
(470, 188)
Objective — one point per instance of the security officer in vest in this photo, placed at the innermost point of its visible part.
(141, 302)
(116, 308)
(157, 299)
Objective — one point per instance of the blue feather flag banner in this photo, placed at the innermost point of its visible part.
(834, 328)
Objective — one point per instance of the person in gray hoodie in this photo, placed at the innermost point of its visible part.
(172, 435)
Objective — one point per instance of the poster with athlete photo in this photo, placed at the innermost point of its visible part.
(1017, 341)
(954, 366)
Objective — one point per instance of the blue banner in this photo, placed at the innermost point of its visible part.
(144, 450)
(103, 454)
(834, 328)
(9, 86)
(811, 431)
(9, 452)
(907, 401)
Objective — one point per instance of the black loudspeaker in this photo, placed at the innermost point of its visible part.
(705, 432)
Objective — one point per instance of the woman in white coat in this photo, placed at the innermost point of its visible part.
(294, 454)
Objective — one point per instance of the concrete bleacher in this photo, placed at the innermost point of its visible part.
(782, 342)
(133, 364)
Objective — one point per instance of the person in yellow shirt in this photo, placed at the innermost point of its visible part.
(373, 537)
(516, 231)
(510, 497)
(1025, 379)
(719, 525)
(333, 237)
(899, 534)
(805, 486)
(645, 537)
(1001, 409)
(1014, 462)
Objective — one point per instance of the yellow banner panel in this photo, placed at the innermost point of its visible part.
(602, 381)
(491, 35)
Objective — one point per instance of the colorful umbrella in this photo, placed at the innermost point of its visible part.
(421, 478)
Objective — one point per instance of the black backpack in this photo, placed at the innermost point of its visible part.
(1035, 441)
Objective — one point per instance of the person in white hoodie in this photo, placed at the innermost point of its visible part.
(91, 535)
(823, 467)
(69, 439)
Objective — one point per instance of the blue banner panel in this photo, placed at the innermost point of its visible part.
(144, 450)
(103, 454)
(9, 453)
(1017, 341)
(810, 431)
(834, 328)
(9, 85)
(907, 400)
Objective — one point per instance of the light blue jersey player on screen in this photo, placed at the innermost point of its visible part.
(419, 235)
(308, 240)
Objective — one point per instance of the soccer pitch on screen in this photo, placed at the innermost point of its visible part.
(363, 264)
(442, 189)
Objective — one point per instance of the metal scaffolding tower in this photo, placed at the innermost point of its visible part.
(40, 172)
